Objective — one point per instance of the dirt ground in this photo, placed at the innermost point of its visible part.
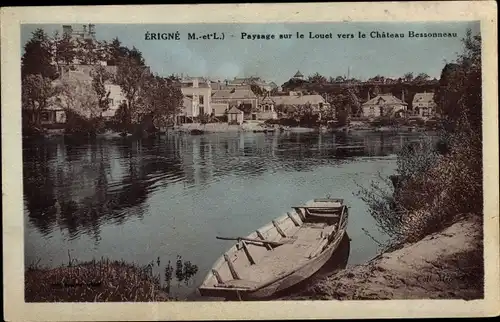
(445, 265)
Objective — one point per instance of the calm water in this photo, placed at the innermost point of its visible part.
(140, 200)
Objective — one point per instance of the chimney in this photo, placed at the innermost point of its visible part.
(368, 95)
(403, 95)
(195, 82)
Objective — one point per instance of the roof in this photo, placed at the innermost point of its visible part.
(234, 93)
(298, 74)
(385, 100)
(424, 97)
(298, 100)
(234, 110)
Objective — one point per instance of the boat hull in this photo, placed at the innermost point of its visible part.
(283, 284)
(298, 276)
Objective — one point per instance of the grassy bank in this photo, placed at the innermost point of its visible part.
(95, 281)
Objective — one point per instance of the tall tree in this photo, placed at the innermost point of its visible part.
(131, 77)
(37, 57)
(65, 50)
(459, 94)
(161, 100)
(99, 77)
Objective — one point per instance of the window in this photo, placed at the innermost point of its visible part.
(110, 101)
(44, 116)
(201, 99)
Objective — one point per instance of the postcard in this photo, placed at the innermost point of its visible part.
(196, 162)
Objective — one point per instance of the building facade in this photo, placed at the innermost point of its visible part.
(423, 105)
(199, 95)
(386, 105)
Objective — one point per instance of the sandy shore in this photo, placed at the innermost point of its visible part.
(442, 265)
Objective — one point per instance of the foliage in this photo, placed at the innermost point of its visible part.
(437, 184)
(37, 57)
(257, 90)
(99, 78)
(95, 281)
(408, 77)
(161, 100)
(65, 50)
(79, 97)
(37, 93)
(132, 78)
(317, 78)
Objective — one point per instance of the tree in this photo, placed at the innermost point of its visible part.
(408, 77)
(79, 97)
(116, 52)
(317, 79)
(257, 90)
(459, 94)
(37, 93)
(421, 78)
(64, 50)
(136, 56)
(131, 77)
(37, 57)
(161, 100)
(99, 77)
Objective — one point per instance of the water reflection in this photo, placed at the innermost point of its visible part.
(139, 199)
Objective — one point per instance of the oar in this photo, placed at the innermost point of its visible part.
(270, 242)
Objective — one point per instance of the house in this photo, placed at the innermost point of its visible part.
(199, 91)
(384, 105)
(53, 115)
(235, 116)
(296, 101)
(266, 109)
(244, 99)
(423, 104)
(80, 75)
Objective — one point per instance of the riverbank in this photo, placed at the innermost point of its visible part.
(447, 264)
(96, 281)
(249, 126)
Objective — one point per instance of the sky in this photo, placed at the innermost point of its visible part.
(279, 59)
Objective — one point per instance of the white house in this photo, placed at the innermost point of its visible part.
(234, 115)
(200, 95)
(423, 104)
(384, 105)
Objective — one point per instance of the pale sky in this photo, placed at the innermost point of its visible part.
(278, 60)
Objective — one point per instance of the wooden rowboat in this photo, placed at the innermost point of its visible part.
(280, 254)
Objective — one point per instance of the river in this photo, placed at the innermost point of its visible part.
(152, 200)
